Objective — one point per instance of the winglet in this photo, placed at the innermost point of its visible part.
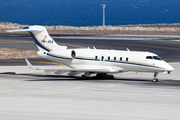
(30, 65)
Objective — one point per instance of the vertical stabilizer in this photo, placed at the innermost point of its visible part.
(41, 37)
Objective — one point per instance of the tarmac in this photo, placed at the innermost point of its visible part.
(32, 94)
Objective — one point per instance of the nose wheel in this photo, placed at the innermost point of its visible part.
(155, 77)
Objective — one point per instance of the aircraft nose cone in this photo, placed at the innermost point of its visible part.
(169, 68)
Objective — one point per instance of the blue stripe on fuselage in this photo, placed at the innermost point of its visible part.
(87, 59)
(105, 61)
(38, 43)
(133, 63)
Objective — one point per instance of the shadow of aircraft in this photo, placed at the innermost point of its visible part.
(106, 79)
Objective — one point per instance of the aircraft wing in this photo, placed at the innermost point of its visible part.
(74, 70)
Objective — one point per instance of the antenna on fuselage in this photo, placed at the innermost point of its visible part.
(94, 47)
(128, 49)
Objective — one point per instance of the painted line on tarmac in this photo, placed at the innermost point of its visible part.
(147, 46)
(176, 40)
(115, 37)
(77, 46)
(106, 38)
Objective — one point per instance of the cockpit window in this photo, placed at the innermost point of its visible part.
(149, 57)
(157, 58)
(154, 57)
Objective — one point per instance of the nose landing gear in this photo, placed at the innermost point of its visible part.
(155, 77)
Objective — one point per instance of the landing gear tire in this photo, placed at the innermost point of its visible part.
(84, 77)
(155, 80)
(99, 76)
(155, 77)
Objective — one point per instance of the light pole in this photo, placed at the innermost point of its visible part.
(103, 5)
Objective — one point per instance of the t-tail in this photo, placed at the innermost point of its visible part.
(41, 37)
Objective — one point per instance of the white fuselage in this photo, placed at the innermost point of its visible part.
(88, 61)
(120, 61)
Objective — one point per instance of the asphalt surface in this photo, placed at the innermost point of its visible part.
(167, 47)
(27, 94)
(35, 95)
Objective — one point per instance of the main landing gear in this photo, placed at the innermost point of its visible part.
(85, 77)
(155, 77)
(98, 76)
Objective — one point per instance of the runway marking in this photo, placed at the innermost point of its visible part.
(33, 88)
(72, 45)
(131, 45)
(146, 46)
(103, 38)
(176, 40)
(33, 42)
(169, 57)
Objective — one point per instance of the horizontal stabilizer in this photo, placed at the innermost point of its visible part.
(41, 37)
(25, 30)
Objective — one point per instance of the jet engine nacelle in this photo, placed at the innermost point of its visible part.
(42, 54)
(61, 53)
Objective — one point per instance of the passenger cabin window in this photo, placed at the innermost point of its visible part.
(73, 54)
(102, 58)
(108, 58)
(114, 58)
(96, 57)
(120, 58)
(126, 59)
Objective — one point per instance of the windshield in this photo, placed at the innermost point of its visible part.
(154, 57)
(157, 58)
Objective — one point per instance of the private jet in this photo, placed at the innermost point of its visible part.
(88, 61)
